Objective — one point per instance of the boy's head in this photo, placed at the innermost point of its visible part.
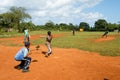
(27, 44)
(25, 28)
(49, 32)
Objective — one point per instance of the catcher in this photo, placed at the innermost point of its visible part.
(22, 56)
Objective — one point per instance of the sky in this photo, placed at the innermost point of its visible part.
(67, 11)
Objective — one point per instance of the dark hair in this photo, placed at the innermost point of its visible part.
(49, 32)
(25, 28)
(27, 44)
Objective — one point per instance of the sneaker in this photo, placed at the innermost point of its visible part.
(18, 67)
(25, 70)
(49, 53)
(46, 55)
(28, 67)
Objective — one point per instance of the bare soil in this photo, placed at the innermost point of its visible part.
(62, 64)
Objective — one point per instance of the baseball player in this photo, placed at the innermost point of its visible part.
(22, 56)
(48, 43)
(26, 35)
(105, 34)
(73, 32)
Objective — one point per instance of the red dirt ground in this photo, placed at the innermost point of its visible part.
(104, 39)
(63, 64)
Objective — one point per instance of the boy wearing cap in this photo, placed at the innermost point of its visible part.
(22, 56)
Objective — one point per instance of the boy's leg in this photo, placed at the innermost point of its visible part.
(22, 63)
(20, 66)
(25, 38)
(27, 63)
(49, 50)
(28, 39)
(104, 34)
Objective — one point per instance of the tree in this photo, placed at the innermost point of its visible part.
(5, 21)
(18, 15)
(71, 26)
(112, 27)
(84, 26)
(63, 26)
(49, 25)
(101, 24)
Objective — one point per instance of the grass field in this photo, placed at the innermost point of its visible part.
(81, 40)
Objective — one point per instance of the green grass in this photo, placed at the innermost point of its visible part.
(82, 41)
(10, 34)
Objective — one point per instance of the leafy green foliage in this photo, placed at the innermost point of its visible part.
(101, 24)
(14, 17)
(17, 19)
(84, 26)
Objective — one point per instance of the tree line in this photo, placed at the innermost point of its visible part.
(18, 19)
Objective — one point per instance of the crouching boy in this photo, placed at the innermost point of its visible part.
(23, 56)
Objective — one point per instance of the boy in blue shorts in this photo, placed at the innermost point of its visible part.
(22, 56)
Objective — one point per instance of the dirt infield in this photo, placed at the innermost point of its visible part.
(63, 64)
(104, 39)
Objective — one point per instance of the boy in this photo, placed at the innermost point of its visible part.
(48, 43)
(26, 35)
(22, 56)
(105, 34)
(73, 31)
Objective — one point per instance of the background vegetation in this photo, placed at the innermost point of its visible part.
(17, 19)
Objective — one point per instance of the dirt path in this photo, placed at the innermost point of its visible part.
(63, 64)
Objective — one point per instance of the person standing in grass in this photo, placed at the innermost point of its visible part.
(73, 32)
(119, 30)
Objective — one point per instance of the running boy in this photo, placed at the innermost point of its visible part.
(105, 34)
(22, 56)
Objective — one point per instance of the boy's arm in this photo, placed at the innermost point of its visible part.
(26, 53)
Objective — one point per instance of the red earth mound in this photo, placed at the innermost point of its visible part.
(104, 39)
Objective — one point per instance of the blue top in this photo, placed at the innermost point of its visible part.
(21, 54)
(26, 32)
